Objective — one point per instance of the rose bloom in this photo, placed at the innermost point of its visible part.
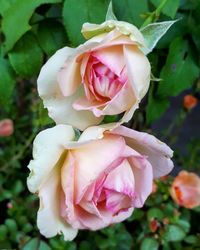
(107, 75)
(185, 189)
(189, 102)
(96, 181)
(6, 127)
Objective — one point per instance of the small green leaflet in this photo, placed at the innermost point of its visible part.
(110, 14)
(153, 33)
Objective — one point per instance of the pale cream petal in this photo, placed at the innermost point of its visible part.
(60, 107)
(49, 221)
(47, 150)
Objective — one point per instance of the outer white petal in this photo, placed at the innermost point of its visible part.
(60, 107)
(48, 154)
(49, 220)
(47, 150)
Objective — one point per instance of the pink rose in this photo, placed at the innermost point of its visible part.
(6, 127)
(185, 189)
(107, 75)
(95, 181)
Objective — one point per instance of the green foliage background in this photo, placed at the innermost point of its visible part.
(30, 32)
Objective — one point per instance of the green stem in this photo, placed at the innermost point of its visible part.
(154, 15)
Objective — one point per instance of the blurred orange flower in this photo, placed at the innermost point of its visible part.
(189, 102)
(185, 189)
(154, 187)
(6, 127)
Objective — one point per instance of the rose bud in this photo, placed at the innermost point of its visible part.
(96, 181)
(107, 75)
(185, 189)
(6, 127)
(189, 102)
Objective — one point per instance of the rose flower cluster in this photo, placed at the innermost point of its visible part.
(98, 179)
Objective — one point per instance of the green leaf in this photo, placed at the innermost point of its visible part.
(180, 70)
(32, 244)
(5, 5)
(184, 224)
(12, 227)
(156, 106)
(149, 244)
(3, 232)
(169, 9)
(155, 213)
(7, 83)
(75, 15)
(110, 14)
(173, 233)
(26, 58)
(153, 33)
(51, 36)
(137, 215)
(16, 19)
(131, 11)
(192, 239)
(36, 243)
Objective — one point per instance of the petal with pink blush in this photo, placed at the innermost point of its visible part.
(120, 103)
(121, 179)
(139, 70)
(68, 186)
(158, 153)
(91, 164)
(112, 57)
(143, 174)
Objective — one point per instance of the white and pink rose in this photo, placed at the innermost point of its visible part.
(95, 181)
(107, 75)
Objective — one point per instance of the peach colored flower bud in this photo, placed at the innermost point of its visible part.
(185, 189)
(6, 127)
(189, 102)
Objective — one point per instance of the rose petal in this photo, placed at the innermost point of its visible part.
(112, 57)
(143, 174)
(47, 150)
(158, 153)
(121, 102)
(139, 70)
(86, 156)
(49, 220)
(60, 107)
(69, 77)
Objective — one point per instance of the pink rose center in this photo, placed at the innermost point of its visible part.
(100, 82)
